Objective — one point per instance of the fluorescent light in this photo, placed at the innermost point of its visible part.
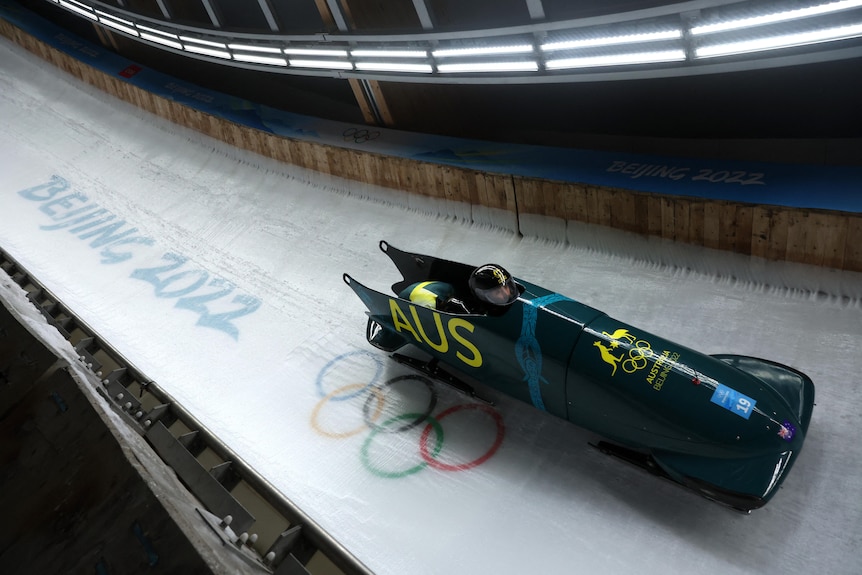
(207, 51)
(394, 67)
(489, 67)
(120, 27)
(776, 17)
(330, 64)
(79, 4)
(389, 53)
(612, 40)
(784, 41)
(161, 40)
(112, 17)
(314, 52)
(203, 42)
(483, 51)
(155, 31)
(260, 59)
(252, 48)
(117, 23)
(617, 60)
(76, 9)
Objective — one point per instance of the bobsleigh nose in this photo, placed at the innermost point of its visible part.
(793, 387)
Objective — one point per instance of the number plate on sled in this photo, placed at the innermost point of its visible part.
(732, 400)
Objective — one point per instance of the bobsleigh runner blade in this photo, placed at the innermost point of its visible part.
(432, 369)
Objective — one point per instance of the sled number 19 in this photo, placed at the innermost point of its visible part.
(733, 401)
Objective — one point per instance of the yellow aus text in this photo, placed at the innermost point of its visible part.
(457, 328)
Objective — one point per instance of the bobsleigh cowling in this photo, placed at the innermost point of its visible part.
(729, 427)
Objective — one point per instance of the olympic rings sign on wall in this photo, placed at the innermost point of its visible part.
(360, 135)
(431, 449)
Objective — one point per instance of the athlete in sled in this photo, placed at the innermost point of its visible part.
(727, 426)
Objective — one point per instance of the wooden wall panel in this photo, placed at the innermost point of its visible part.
(797, 236)
(853, 244)
(825, 239)
(527, 193)
(696, 222)
(711, 224)
(668, 222)
(500, 192)
(654, 212)
(742, 226)
(574, 203)
(624, 210)
(604, 207)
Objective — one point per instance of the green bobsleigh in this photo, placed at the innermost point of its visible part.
(729, 427)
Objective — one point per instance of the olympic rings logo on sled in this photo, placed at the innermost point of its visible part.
(373, 407)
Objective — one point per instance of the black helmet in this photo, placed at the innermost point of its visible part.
(493, 285)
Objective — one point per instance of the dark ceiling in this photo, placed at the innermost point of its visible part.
(811, 101)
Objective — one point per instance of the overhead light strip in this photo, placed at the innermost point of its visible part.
(161, 40)
(616, 60)
(322, 64)
(785, 41)
(253, 48)
(488, 67)
(207, 51)
(256, 59)
(366, 53)
(334, 53)
(126, 26)
(195, 41)
(776, 17)
(394, 67)
(483, 51)
(78, 10)
(315, 52)
(612, 40)
(117, 26)
(156, 31)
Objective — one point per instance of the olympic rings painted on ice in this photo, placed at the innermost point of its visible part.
(366, 407)
(374, 406)
(366, 460)
(315, 414)
(431, 458)
(343, 356)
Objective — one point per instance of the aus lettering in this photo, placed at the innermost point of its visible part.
(437, 338)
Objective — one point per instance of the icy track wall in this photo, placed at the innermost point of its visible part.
(804, 214)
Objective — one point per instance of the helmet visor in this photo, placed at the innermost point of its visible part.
(500, 294)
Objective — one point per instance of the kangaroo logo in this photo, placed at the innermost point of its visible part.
(608, 357)
(619, 334)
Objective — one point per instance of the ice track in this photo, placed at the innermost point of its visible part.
(278, 367)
